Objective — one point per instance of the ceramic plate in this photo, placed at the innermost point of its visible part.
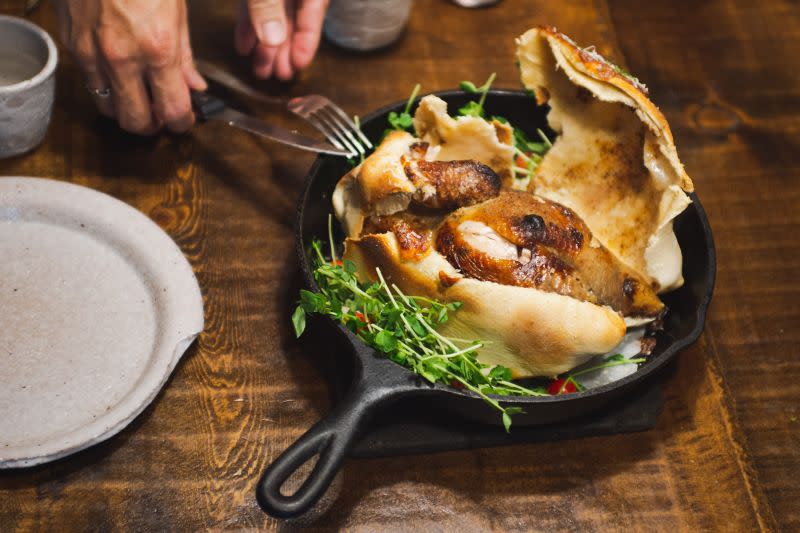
(97, 305)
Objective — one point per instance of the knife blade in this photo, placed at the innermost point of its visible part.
(232, 83)
(209, 107)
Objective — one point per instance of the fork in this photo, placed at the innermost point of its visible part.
(317, 110)
(334, 123)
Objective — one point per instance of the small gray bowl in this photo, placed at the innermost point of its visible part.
(28, 59)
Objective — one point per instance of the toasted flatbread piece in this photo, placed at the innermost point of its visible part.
(530, 331)
(378, 186)
(614, 161)
(465, 138)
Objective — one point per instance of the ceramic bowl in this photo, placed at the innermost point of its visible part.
(28, 59)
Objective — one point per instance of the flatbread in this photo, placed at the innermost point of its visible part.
(462, 138)
(530, 331)
(614, 161)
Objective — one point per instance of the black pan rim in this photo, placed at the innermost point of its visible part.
(642, 373)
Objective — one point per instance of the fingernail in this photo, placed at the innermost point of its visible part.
(200, 81)
(274, 32)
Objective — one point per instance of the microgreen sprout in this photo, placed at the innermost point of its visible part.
(404, 328)
(404, 121)
(475, 109)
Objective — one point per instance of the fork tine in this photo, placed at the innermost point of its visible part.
(354, 148)
(338, 111)
(332, 121)
(303, 106)
(337, 132)
(326, 131)
(325, 111)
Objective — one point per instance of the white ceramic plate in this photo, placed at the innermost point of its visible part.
(97, 305)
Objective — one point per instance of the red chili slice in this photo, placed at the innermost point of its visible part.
(520, 162)
(362, 318)
(561, 386)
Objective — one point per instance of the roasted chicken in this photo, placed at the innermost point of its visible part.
(451, 184)
(547, 277)
(523, 240)
(413, 230)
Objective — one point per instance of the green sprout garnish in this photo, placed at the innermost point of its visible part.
(403, 328)
(475, 109)
(404, 121)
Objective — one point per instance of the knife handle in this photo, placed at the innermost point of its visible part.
(206, 105)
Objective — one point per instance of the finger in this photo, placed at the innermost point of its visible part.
(283, 63)
(308, 27)
(121, 60)
(129, 94)
(171, 103)
(193, 78)
(96, 79)
(244, 37)
(264, 61)
(86, 55)
(268, 18)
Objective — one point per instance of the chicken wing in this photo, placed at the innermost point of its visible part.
(448, 184)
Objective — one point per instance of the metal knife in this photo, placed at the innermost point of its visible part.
(209, 107)
(232, 83)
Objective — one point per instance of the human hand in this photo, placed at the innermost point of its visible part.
(281, 35)
(137, 59)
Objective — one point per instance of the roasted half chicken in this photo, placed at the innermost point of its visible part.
(548, 277)
(528, 271)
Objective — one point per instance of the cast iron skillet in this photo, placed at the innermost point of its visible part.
(378, 381)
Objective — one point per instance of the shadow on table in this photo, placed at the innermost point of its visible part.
(268, 185)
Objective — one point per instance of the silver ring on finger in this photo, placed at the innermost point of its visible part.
(104, 92)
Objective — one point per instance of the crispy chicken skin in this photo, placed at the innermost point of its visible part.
(414, 231)
(448, 184)
(523, 240)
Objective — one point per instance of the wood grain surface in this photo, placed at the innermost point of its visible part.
(724, 455)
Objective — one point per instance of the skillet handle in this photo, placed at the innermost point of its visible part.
(331, 438)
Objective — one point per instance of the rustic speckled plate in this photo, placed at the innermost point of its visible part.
(97, 305)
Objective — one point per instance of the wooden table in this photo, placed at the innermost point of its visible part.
(724, 455)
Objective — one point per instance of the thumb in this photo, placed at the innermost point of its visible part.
(269, 20)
